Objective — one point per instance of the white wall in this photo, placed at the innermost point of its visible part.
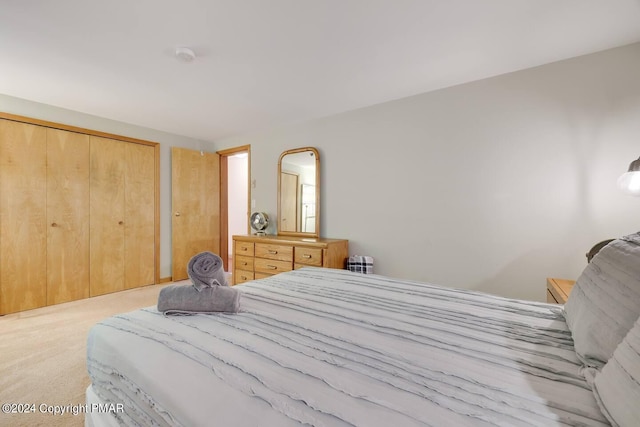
(73, 118)
(238, 176)
(492, 185)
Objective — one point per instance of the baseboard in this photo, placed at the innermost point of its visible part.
(165, 280)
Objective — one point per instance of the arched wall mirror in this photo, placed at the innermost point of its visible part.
(299, 192)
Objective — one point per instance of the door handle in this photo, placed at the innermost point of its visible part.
(177, 213)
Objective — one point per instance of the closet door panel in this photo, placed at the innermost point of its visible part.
(139, 231)
(23, 246)
(67, 216)
(107, 183)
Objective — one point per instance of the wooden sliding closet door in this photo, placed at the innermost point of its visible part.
(122, 206)
(139, 241)
(23, 227)
(107, 215)
(195, 199)
(78, 213)
(67, 204)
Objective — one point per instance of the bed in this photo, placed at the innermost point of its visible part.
(328, 347)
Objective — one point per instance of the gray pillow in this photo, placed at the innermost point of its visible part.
(617, 387)
(605, 301)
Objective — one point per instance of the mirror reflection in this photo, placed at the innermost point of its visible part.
(298, 195)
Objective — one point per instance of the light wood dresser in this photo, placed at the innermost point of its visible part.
(558, 290)
(256, 257)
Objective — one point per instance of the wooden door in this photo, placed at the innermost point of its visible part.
(107, 183)
(23, 227)
(67, 216)
(139, 222)
(289, 199)
(195, 199)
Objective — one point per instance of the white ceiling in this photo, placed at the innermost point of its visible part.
(268, 63)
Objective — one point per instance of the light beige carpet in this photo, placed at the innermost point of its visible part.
(43, 351)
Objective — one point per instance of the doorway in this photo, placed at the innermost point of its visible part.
(235, 195)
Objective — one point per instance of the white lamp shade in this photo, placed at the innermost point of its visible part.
(629, 182)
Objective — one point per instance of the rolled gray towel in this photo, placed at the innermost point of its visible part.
(185, 299)
(205, 269)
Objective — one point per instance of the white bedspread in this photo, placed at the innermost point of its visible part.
(331, 347)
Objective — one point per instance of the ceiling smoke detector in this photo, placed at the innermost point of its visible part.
(185, 54)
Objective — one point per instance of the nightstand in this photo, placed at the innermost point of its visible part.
(558, 290)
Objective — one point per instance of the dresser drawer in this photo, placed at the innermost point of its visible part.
(243, 263)
(278, 252)
(308, 256)
(297, 266)
(241, 276)
(559, 290)
(271, 266)
(244, 248)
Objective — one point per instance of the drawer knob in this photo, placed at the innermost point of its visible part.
(271, 251)
(306, 256)
(243, 249)
(272, 267)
